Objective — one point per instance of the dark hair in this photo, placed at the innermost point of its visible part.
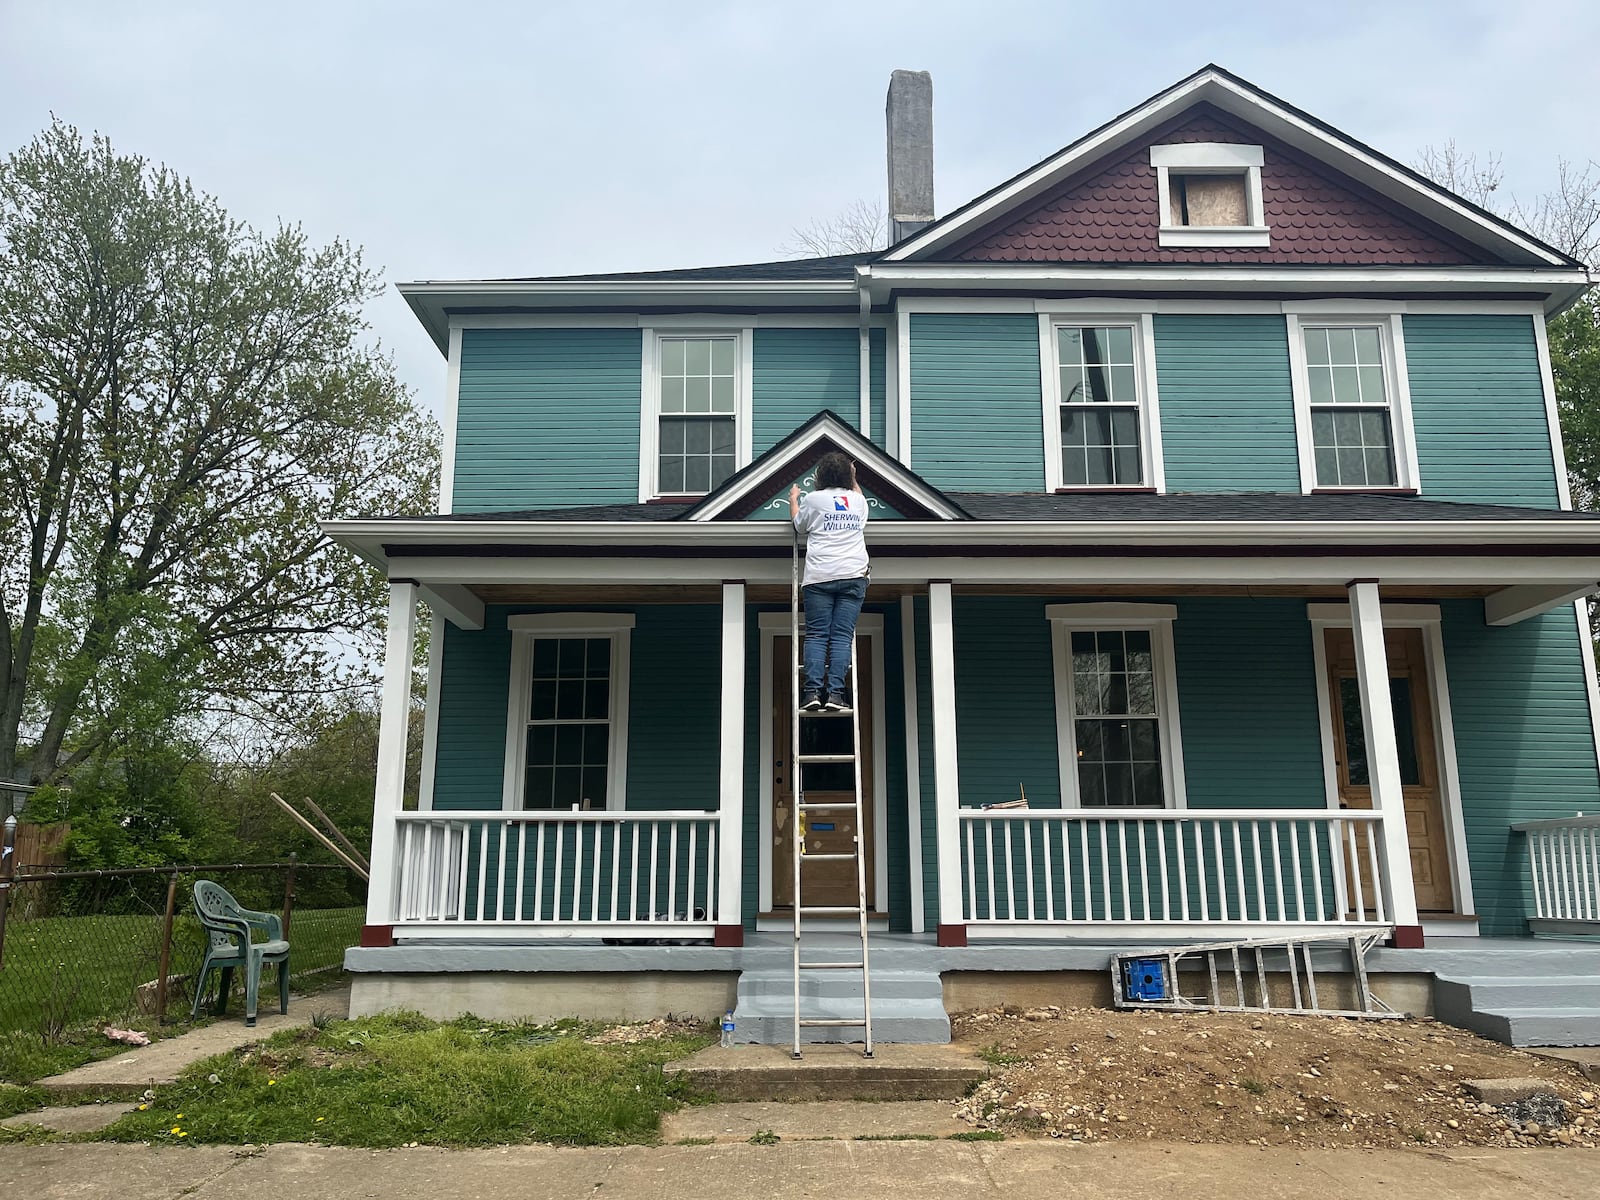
(835, 471)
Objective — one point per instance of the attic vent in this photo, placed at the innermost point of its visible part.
(1210, 194)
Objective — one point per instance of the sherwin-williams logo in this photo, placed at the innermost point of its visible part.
(841, 504)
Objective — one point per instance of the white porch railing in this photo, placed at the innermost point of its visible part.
(1564, 863)
(1170, 867)
(561, 874)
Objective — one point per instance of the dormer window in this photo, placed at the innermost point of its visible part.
(1210, 194)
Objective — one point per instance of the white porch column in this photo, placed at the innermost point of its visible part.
(946, 792)
(730, 880)
(1383, 757)
(389, 794)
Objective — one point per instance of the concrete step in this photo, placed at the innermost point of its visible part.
(907, 1007)
(895, 1072)
(1530, 1011)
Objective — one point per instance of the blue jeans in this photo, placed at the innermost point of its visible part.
(831, 612)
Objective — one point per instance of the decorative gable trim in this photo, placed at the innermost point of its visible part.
(903, 490)
(1297, 129)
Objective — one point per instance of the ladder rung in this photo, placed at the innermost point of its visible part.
(833, 911)
(831, 1022)
(832, 966)
(825, 758)
(806, 856)
(834, 805)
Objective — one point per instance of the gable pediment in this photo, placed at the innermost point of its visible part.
(1110, 212)
(761, 490)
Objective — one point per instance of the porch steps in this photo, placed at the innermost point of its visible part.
(1544, 1010)
(907, 1006)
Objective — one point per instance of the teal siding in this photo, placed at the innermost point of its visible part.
(1478, 406)
(799, 372)
(1227, 407)
(469, 762)
(975, 402)
(1524, 744)
(877, 384)
(1005, 701)
(1247, 704)
(547, 418)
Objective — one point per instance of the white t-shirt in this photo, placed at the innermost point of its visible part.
(834, 521)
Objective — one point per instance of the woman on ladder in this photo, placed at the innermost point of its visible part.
(833, 519)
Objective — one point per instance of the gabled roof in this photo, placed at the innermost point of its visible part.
(907, 492)
(1214, 85)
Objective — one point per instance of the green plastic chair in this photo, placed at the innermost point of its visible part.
(229, 929)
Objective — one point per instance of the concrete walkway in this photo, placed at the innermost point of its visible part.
(836, 1170)
(149, 1066)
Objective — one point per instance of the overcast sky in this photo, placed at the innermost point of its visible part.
(459, 140)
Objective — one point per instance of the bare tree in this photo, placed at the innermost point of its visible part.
(1569, 217)
(858, 229)
(1462, 173)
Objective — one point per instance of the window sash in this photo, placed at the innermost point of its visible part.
(1101, 429)
(1117, 733)
(566, 740)
(1351, 406)
(698, 385)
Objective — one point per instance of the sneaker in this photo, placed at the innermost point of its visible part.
(837, 704)
(811, 702)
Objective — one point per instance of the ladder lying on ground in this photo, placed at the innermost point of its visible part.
(803, 812)
(1150, 979)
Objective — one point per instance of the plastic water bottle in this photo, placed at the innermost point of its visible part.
(727, 1028)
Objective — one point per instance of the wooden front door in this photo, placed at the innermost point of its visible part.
(827, 884)
(1412, 698)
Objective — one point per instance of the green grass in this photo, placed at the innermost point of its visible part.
(398, 1078)
(996, 1057)
(65, 977)
(978, 1135)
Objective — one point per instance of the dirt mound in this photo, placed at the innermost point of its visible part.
(1095, 1074)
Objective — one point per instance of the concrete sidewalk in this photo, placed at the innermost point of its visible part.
(837, 1170)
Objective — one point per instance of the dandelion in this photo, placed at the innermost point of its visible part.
(322, 1118)
(175, 1129)
(272, 1083)
(179, 1117)
(183, 1133)
(142, 1107)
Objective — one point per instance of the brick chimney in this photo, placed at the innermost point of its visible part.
(909, 116)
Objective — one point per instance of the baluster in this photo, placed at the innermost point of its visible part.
(1313, 840)
(538, 872)
(1222, 869)
(1238, 872)
(1105, 870)
(1011, 875)
(1201, 874)
(1564, 859)
(1183, 870)
(972, 873)
(1027, 865)
(1277, 872)
(1048, 850)
(522, 863)
(1261, 893)
(655, 857)
(672, 873)
(713, 867)
(1139, 828)
(1161, 866)
(1380, 886)
(688, 884)
(483, 864)
(633, 874)
(458, 838)
(1083, 847)
(1358, 904)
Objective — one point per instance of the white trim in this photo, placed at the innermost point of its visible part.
(452, 406)
(457, 604)
(1427, 618)
(625, 320)
(775, 470)
(1178, 236)
(864, 365)
(891, 390)
(1206, 156)
(1224, 305)
(1513, 604)
(1391, 335)
(1552, 413)
(1066, 619)
(731, 757)
(525, 628)
(946, 769)
(394, 720)
(769, 626)
(1244, 101)
(910, 704)
(1580, 611)
(1152, 463)
(430, 713)
(743, 337)
(903, 390)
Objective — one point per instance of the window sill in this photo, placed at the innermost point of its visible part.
(690, 499)
(1105, 491)
(1364, 491)
(1214, 235)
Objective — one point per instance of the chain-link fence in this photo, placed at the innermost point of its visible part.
(80, 950)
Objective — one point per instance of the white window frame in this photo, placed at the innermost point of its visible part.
(1210, 158)
(1391, 336)
(743, 337)
(525, 629)
(1156, 619)
(1152, 463)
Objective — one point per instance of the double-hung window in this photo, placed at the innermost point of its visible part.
(1100, 427)
(1351, 404)
(693, 419)
(1116, 705)
(566, 728)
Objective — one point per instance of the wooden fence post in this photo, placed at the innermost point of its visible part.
(8, 868)
(288, 893)
(166, 949)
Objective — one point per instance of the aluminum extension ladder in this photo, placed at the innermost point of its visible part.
(803, 811)
(1248, 983)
